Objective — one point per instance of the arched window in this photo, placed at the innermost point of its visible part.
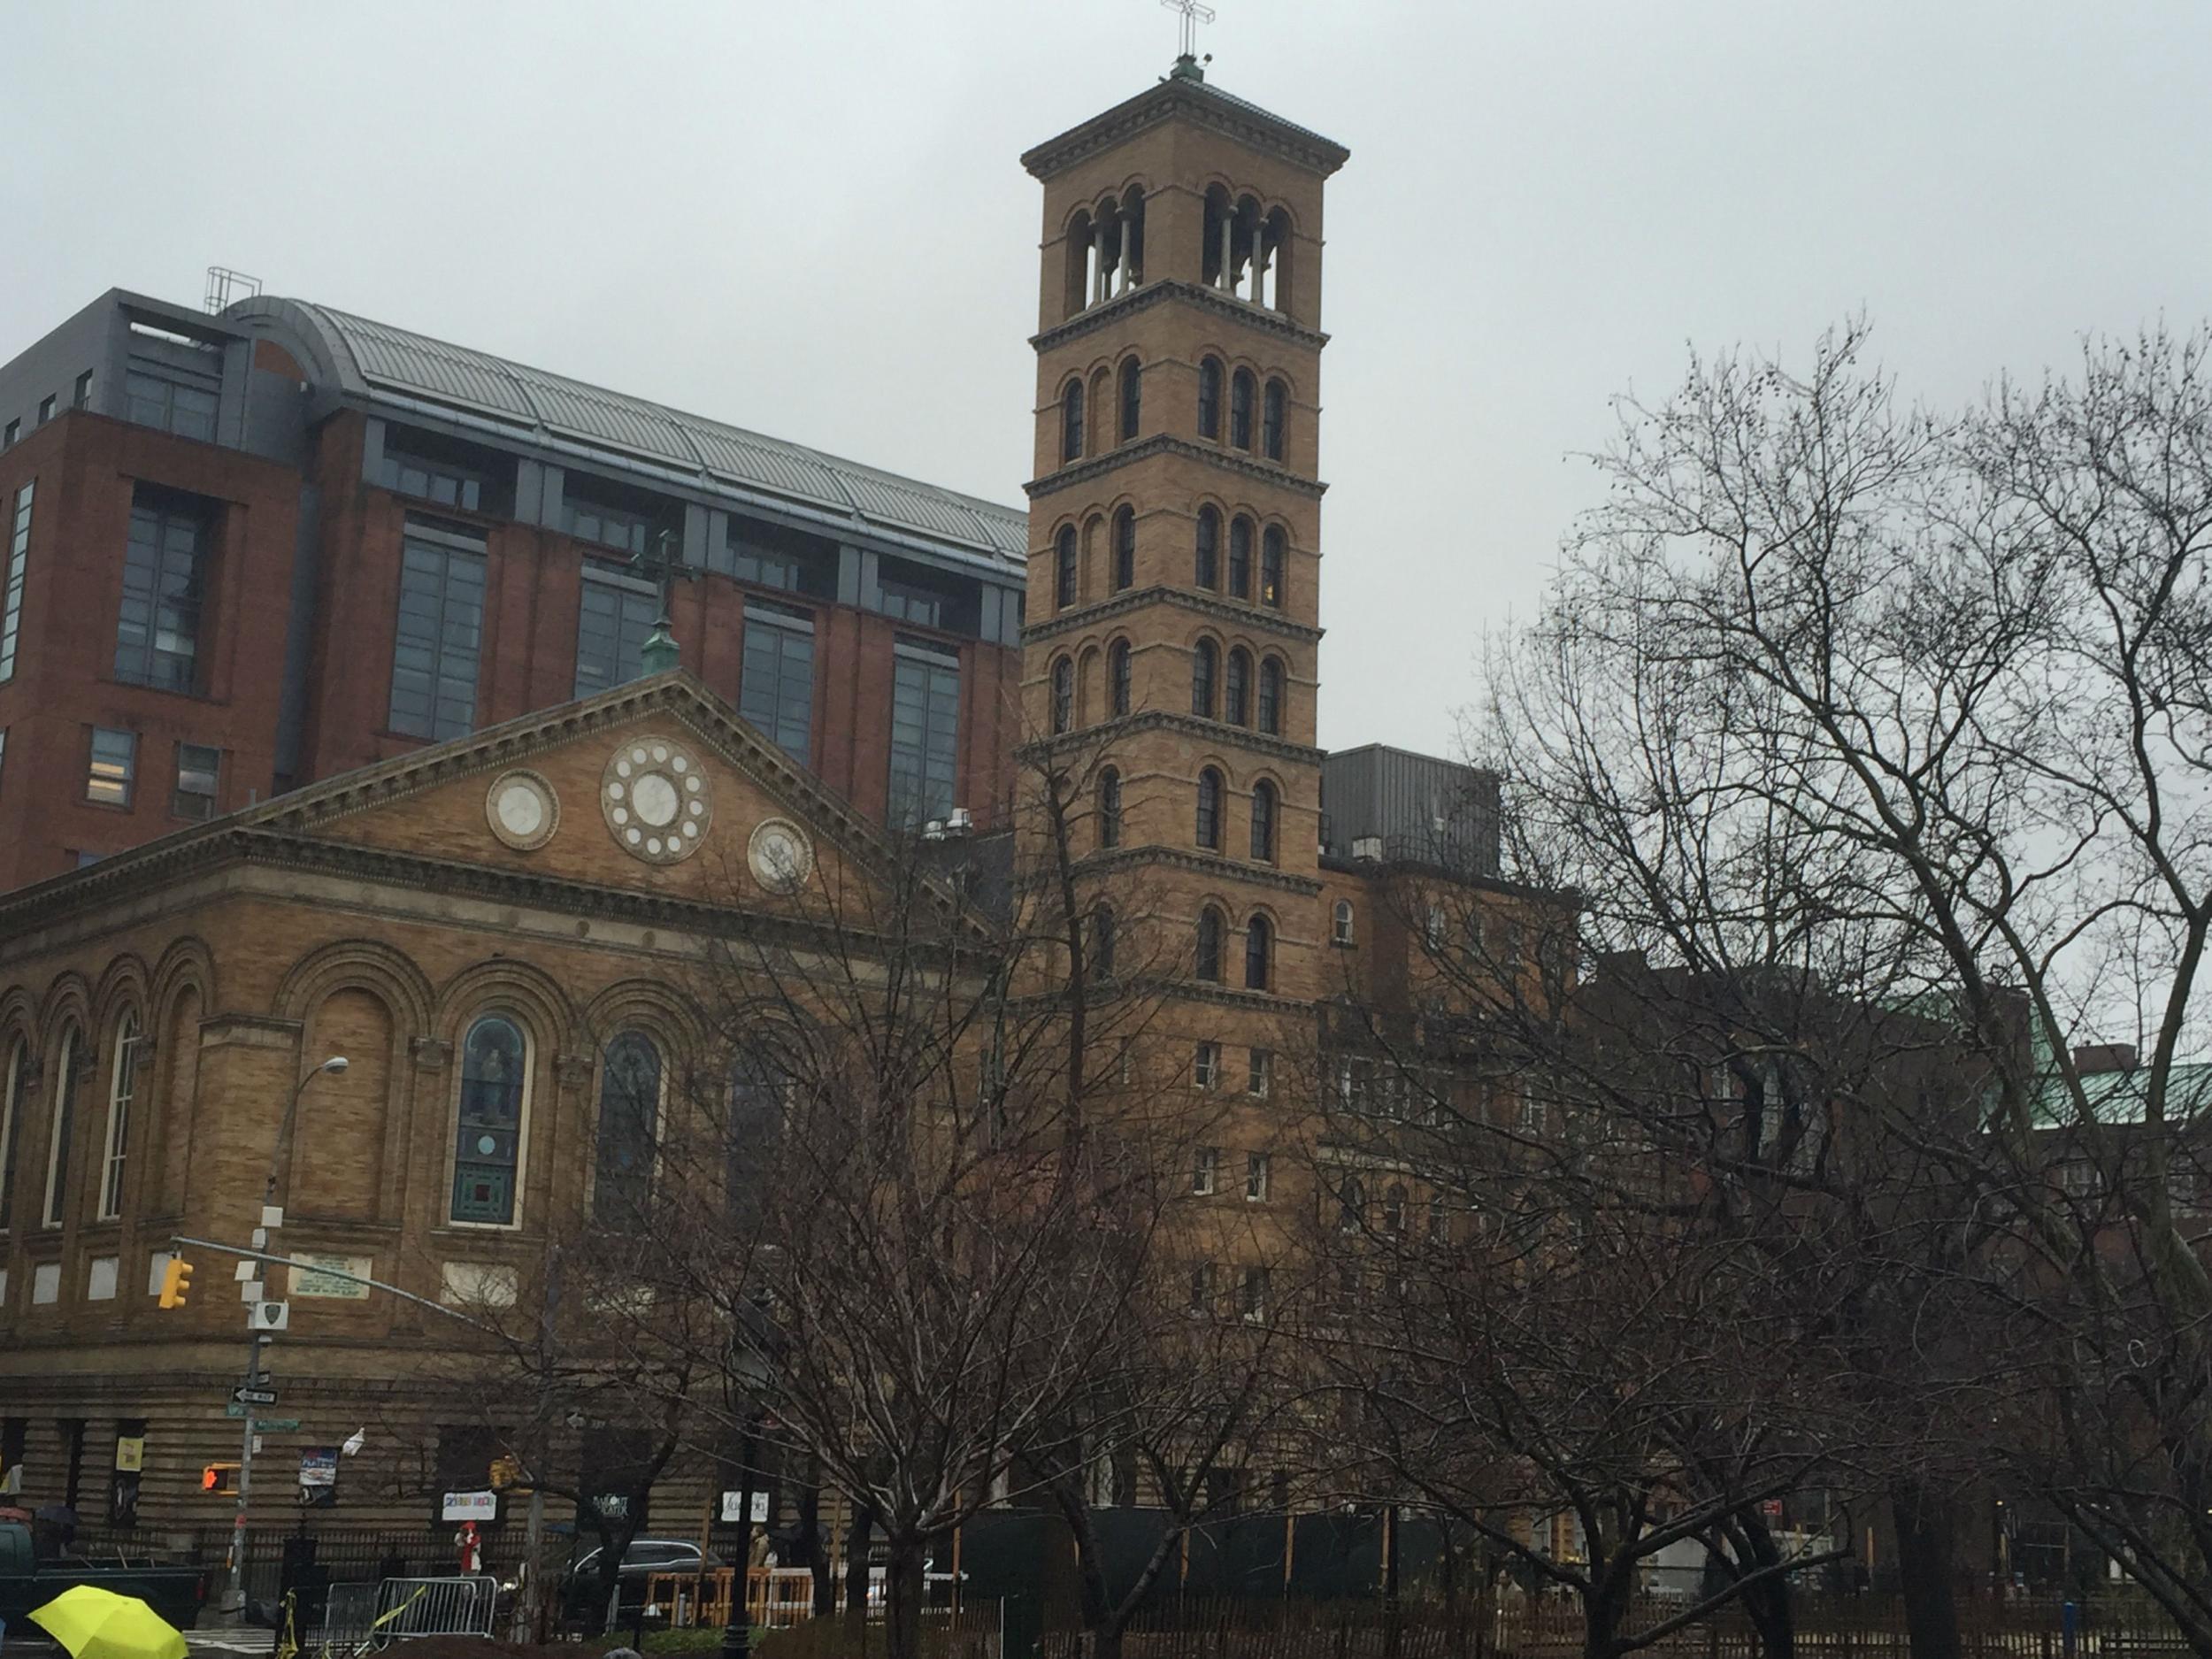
(122, 1084)
(64, 1124)
(1393, 1207)
(1259, 940)
(11, 1117)
(1071, 422)
(629, 1126)
(1211, 929)
(1109, 807)
(1062, 695)
(1205, 664)
(1274, 406)
(1341, 934)
(1132, 396)
(1271, 699)
(1209, 572)
(1236, 689)
(1263, 805)
(1124, 549)
(1103, 942)
(1065, 567)
(1351, 1200)
(488, 1134)
(1117, 677)
(1273, 548)
(760, 1086)
(1209, 397)
(1209, 810)
(1241, 559)
(1241, 389)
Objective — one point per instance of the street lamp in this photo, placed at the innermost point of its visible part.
(751, 1369)
(270, 1216)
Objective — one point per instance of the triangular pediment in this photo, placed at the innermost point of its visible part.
(658, 786)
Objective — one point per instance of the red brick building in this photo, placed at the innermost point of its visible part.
(248, 551)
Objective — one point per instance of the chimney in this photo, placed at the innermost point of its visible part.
(2092, 1058)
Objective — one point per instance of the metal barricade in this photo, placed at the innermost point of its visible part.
(460, 1606)
(349, 1617)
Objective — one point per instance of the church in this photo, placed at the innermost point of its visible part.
(493, 699)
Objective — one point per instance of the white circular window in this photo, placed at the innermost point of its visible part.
(780, 854)
(655, 799)
(522, 809)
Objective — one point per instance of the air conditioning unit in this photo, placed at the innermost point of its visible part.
(961, 823)
(265, 1317)
(1368, 848)
(935, 830)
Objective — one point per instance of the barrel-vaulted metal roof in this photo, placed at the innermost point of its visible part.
(366, 359)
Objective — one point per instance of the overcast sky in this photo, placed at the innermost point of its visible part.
(809, 218)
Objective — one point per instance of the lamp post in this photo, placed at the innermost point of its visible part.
(270, 1217)
(749, 1369)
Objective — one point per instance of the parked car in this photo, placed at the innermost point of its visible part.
(640, 1561)
(26, 1581)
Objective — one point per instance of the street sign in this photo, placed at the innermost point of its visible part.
(275, 1425)
(246, 1396)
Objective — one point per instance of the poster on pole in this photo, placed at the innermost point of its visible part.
(470, 1506)
(734, 1507)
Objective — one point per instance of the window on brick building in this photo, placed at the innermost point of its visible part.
(81, 397)
(495, 1072)
(1265, 802)
(774, 555)
(1206, 1161)
(616, 618)
(629, 1129)
(1243, 390)
(1341, 933)
(927, 597)
(1062, 695)
(112, 766)
(1124, 549)
(1208, 573)
(776, 678)
(1064, 568)
(1239, 557)
(439, 635)
(122, 1086)
(1072, 421)
(1201, 1288)
(199, 775)
(1271, 697)
(1209, 397)
(165, 579)
(1205, 664)
(1259, 951)
(1255, 1299)
(45, 409)
(1131, 394)
(1255, 1166)
(1236, 689)
(593, 509)
(1207, 959)
(1117, 687)
(1274, 548)
(1109, 807)
(1274, 409)
(18, 534)
(14, 431)
(12, 1087)
(925, 733)
(443, 471)
(1209, 825)
(61, 1130)
(1102, 941)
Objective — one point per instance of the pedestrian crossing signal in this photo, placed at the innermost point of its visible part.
(219, 1477)
(176, 1282)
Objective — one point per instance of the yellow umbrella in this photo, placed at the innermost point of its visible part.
(96, 1624)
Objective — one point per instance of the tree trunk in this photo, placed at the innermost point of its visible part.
(902, 1620)
(1604, 1604)
(857, 1578)
(1767, 1603)
(1926, 1539)
(808, 1499)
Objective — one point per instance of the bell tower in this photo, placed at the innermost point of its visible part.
(1173, 608)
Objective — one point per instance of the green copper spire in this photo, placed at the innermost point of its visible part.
(659, 654)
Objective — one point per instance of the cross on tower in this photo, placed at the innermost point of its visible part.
(664, 565)
(1192, 15)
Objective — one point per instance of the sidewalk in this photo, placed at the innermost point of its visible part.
(245, 1638)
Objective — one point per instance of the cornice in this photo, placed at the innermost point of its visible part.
(1197, 600)
(1202, 106)
(1166, 443)
(1217, 733)
(1144, 296)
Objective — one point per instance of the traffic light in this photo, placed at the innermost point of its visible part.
(506, 1473)
(221, 1478)
(176, 1282)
